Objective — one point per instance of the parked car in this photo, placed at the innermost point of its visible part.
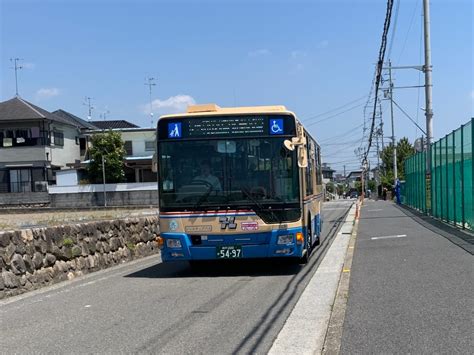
(354, 194)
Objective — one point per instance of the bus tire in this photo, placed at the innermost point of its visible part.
(308, 244)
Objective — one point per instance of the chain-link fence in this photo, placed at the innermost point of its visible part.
(450, 188)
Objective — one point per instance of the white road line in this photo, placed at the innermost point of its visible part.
(390, 236)
(377, 210)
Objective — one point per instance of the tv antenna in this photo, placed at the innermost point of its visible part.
(16, 68)
(88, 103)
(150, 84)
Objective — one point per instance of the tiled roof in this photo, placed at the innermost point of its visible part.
(74, 119)
(18, 109)
(111, 124)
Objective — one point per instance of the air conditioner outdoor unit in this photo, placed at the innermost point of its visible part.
(41, 186)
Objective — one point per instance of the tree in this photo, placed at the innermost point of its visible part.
(330, 187)
(110, 145)
(404, 150)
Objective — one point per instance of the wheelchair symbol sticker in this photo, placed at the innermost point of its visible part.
(276, 126)
(174, 130)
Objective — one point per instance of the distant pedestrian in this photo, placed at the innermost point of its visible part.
(397, 192)
(384, 194)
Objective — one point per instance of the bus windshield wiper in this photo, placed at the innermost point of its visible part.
(203, 198)
(258, 204)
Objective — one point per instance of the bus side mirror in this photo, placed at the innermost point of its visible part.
(289, 145)
(302, 157)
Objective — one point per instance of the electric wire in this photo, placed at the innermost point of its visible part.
(383, 47)
(334, 109)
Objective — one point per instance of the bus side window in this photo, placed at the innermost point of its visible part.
(309, 172)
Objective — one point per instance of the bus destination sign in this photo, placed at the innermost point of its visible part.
(226, 126)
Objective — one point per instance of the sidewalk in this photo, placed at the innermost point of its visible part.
(411, 288)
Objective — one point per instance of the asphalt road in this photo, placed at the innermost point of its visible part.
(411, 288)
(150, 307)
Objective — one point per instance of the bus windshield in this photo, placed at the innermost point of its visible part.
(257, 173)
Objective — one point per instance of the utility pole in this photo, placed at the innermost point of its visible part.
(427, 68)
(90, 107)
(16, 67)
(103, 179)
(377, 180)
(150, 84)
(395, 173)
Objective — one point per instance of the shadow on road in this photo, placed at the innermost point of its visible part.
(257, 267)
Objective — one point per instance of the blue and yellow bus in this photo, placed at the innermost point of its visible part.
(242, 182)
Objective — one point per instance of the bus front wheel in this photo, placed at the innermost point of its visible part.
(308, 245)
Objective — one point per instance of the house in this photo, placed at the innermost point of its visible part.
(83, 125)
(327, 173)
(113, 124)
(352, 177)
(139, 144)
(34, 144)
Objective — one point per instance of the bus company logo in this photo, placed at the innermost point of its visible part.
(276, 126)
(249, 226)
(228, 222)
(198, 229)
(174, 130)
(173, 225)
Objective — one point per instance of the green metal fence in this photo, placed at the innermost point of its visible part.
(450, 188)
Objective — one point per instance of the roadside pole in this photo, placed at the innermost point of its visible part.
(427, 68)
(103, 180)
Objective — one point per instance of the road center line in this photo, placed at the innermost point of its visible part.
(390, 236)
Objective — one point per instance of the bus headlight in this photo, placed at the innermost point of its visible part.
(173, 243)
(285, 239)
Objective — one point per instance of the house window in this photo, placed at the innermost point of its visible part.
(150, 146)
(20, 180)
(58, 138)
(128, 148)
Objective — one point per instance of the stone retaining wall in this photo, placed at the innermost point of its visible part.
(33, 258)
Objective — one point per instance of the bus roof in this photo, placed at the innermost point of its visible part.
(213, 109)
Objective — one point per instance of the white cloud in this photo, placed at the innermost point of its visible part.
(297, 54)
(173, 104)
(47, 93)
(323, 44)
(28, 65)
(259, 52)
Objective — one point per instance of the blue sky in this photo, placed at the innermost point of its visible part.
(311, 56)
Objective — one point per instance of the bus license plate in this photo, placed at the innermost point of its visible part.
(229, 252)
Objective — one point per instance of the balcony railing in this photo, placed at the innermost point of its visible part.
(22, 142)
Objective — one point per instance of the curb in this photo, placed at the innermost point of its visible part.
(314, 309)
(332, 343)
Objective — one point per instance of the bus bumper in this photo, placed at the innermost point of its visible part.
(271, 249)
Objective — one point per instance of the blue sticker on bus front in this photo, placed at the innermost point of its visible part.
(276, 126)
(174, 130)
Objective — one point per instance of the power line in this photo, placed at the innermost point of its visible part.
(335, 115)
(334, 109)
(408, 31)
(394, 29)
(383, 47)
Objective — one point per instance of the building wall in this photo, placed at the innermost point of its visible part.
(138, 140)
(24, 155)
(70, 152)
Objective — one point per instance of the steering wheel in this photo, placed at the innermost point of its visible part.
(201, 182)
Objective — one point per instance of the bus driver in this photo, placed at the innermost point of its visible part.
(208, 177)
